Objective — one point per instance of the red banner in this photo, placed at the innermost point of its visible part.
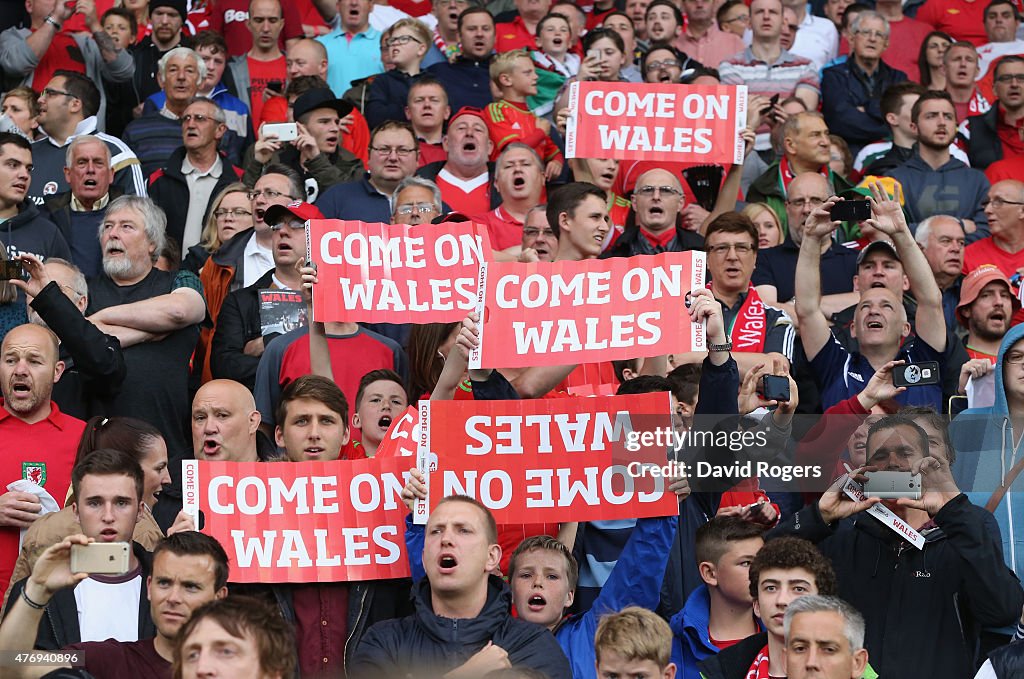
(381, 273)
(646, 121)
(303, 521)
(547, 460)
(400, 438)
(561, 313)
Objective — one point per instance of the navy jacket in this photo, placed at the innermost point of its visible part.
(425, 644)
(983, 144)
(355, 200)
(467, 82)
(387, 96)
(844, 88)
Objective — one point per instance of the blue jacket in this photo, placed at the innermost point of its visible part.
(983, 439)
(844, 88)
(387, 96)
(953, 189)
(691, 641)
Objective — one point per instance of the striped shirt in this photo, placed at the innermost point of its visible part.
(782, 77)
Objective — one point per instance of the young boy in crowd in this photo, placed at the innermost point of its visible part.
(634, 642)
(509, 118)
(717, 614)
(380, 399)
(784, 569)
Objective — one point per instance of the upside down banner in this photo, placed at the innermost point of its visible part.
(303, 521)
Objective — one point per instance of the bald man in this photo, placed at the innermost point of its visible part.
(657, 202)
(1004, 207)
(225, 423)
(37, 441)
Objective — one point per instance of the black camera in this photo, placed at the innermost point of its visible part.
(774, 388)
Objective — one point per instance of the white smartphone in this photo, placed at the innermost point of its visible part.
(101, 558)
(284, 131)
(594, 54)
(892, 485)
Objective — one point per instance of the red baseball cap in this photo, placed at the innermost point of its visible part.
(296, 208)
(973, 284)
(468, 111)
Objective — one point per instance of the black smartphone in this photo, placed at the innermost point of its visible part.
(916, 374)
(771, 104)
(276, 86)
(851, 211)
(11, 269)
(774, 388)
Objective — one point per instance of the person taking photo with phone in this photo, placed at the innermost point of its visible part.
(880, 323)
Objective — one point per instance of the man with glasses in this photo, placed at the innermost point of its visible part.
(759, 333)
(540, 243)
(68, 108)
(394, 155)
(663, 63)
(657, 201)
(852, 91)
(186, 185)
(733, 17)
(417, 201)
(240, 338)
(1004, 208)
(994, 135)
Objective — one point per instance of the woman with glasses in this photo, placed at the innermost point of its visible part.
(406, 47)
(230, 212)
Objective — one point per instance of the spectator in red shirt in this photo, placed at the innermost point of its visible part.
(519, 180)
(427, 110)
(960, 63)
(465, 178)
(264, 63)
(1004, 208)
(37, 441)
(521, 32)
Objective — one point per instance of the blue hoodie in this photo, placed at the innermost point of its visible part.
(691, 641)
(983, 439)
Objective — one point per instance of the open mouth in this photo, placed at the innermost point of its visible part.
(447, 563)
(384, 422)
(108, 535)
(877, 284)
(518, 182)
(557, 42)
(21, 388)
(655, 210)
(537, 601)
(608, 176)
(313, 452)
(874, 325)
(90, 183)
(114, 250)
(469, 146)
(211, 447)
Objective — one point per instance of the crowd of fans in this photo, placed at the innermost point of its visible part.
(158, 162)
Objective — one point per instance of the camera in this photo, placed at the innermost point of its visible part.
(11, 269)
(774, 388)
(916, 374)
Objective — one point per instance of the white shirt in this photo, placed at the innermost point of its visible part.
(200, 190)
(817, 40)
(992, 51)
(257, 260)
(109, 610)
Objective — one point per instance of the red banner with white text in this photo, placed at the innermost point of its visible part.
(303, 521)
(655, 121)
(562, 313)
(388, 273)
(547, 460)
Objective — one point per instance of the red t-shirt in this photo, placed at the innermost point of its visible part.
(985, 251)
(414, 8)
(505, 230)
(231, 19)
(974, 353)
(43, 452)
(514, 36)
(261, 73)
(1007, 168)
(905, 46)
(962, 19)
(469, 197)
(63, 53)
(431, 153)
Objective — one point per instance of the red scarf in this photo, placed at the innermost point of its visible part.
(786, 174)
(449, 51)
(759, 669)
(750, 325)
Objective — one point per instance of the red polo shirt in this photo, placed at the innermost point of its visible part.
(514, 36)
(504, 229)
(43, 452)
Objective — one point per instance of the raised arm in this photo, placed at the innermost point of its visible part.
(814, 330)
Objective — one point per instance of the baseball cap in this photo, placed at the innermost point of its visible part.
(885, 245)
(296, 208)
(468, 111)
(973, 284)
(320, 97)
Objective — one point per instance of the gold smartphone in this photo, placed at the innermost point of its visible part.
(101, 558)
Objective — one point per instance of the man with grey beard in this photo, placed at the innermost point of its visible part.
(156, 315)
(94, 369)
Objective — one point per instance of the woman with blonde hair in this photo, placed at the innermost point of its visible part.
(602, 172)
(769, 229)
(230, 213)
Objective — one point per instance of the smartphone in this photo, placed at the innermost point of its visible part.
(101, 558)
(851, 211)
(284, 131)
(11, 269)
(276, 86)
(771, 104)
(774, 388)
(916, 374)
(594, 54)
(892, 485)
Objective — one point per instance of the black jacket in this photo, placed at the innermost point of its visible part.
(983, 144)
(924, 609)
(238, 323)
(733, 662)
(632, 243)
(32, 232)
(94, 367)
(59, 626)
(169, 189)
(1008, 661)
(424, 643)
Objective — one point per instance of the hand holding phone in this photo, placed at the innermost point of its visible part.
(851, 211)
(101, 558)
(893, 485)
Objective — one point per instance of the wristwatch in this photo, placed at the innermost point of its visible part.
(53, 22)
(720, 347)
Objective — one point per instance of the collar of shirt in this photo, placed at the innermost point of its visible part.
(750, 58)
(659, 240)
(215, 170)
(86, 126)
(56, 417)
(254, 249)
(166, 113)
(76, 205)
